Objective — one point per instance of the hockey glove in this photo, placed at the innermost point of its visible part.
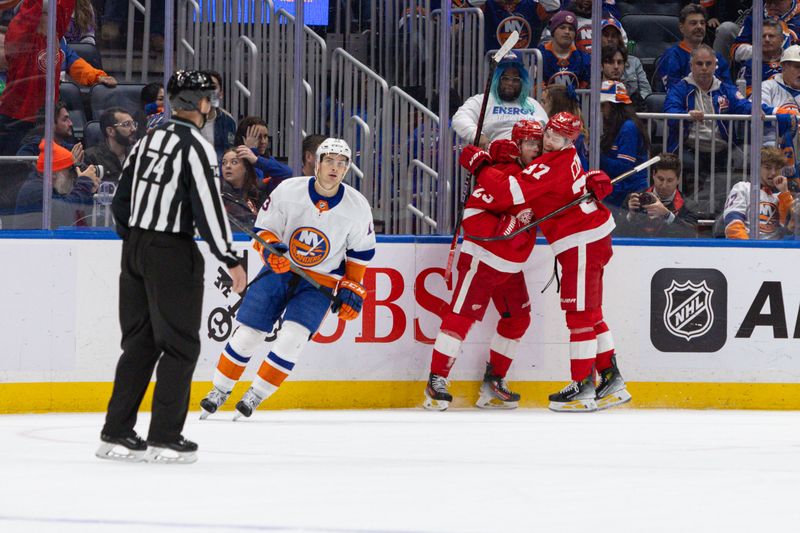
(503, 151)
(351, 295)
(279, 264)
(599, 184)
(473, 158)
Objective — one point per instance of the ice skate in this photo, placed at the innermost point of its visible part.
(495, 393)
(436, 396)
(212, 402)
(611, 389)
(181, 451)
(249, 402)
(129, 449)
(577, 397)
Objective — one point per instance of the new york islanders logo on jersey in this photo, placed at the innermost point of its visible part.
(309, 246)
(511, 24)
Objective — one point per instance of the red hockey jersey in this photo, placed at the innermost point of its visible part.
(481, 218)
(548, 183)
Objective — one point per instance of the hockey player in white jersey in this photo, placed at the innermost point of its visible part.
(322, 226)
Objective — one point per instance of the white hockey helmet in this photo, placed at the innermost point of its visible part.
(336, 147)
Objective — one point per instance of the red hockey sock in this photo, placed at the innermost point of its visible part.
(441, 364)
(582, 353)
(605, 346)
(500, 363)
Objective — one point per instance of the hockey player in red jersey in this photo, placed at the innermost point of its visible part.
(489, 271)
(580, 237)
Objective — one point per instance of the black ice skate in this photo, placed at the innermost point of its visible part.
(577, 397)
(180, 451)
(212, 402)
(611, 389)
(436, 396)
(249, 402)
(495, 393)
(129, 449)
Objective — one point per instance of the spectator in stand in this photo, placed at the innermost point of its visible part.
(508, 103)
(661, 210)
(781, 96)
(624, 142)
(774, 207)
(771, 49)
(152, 97)
(673, 65)
(582, 9)
(239, 181)
(115, 14)
(786, 11)
(697, 94)
(62, 135)
(220, 126)
(72, 193)
(724, 21)
(83, 24)
(81, 71)
(22, 101)
(562, 63)
(252, 145)
(558, 98)
(119, 129)
(310, 145)
(528, 17)
(633, 75)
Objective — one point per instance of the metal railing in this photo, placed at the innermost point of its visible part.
(133, 6)
(709, 184)
(359, 113)
(466, 52)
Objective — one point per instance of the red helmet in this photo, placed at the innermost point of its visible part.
(527, 129)
(565, 124)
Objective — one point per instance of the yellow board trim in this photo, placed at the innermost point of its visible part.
(93, 397)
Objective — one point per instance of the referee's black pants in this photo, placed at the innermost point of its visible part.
(160, 308)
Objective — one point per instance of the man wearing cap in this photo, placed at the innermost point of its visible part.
(781, 96)
(562, 62)
(624, 142)
(508, 103)
(72, 192)
(633, 75)
(582, 9)
(673, 65)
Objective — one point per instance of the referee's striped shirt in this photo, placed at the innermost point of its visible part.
(170, 183)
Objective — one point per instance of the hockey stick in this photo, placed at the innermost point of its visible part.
(573, 203)
(467, 190)
(271, 249)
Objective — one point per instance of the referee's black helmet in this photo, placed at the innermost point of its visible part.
(187, 87)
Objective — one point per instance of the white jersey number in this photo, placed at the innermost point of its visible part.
(579, 187)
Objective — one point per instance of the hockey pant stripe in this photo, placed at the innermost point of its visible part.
(465, 285)
(279, 363)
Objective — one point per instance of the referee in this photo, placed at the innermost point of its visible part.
(169, 185)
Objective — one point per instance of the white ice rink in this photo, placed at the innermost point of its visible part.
(414, 471)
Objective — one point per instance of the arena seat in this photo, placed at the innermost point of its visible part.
(655, 104)
(92, 135)
(71, 95)
(89, 52)
(664, 7)
(125, 95)
(653, 34)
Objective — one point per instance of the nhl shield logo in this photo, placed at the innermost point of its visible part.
(688, 312)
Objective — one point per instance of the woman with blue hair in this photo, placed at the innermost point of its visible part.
(509, 102)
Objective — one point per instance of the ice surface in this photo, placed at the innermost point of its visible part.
(414, 471)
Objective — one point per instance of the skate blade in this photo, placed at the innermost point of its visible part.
(165, 456)
(237, 415)
(492, 402)
(204, 414)
(575, 406)
(615, 398)
(112, 452)
(435, 405)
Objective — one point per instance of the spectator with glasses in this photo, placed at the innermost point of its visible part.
(508, 102)
(119, 129)
(252, 145)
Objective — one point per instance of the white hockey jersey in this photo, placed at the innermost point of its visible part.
(499, 119)
(329, 237)
(776, 94)
(773, 212)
